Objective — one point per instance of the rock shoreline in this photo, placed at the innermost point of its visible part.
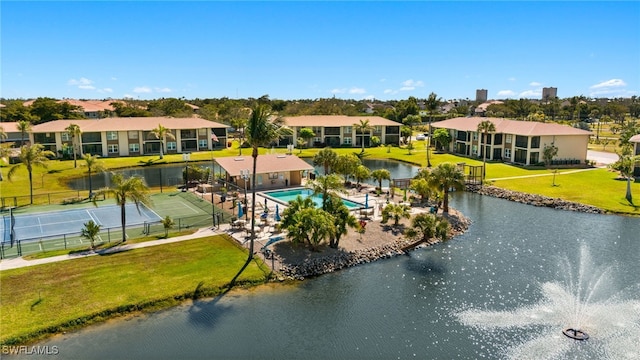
(533, 199)
(345, 259)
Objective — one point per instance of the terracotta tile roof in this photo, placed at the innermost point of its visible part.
(9, 127)
(336, 120)
(86, 105)
(265, 164)
(635, 139)
(128, 124)
(526, 128)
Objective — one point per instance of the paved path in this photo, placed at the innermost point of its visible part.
(545, 174)
(601, 157)
(19, 262)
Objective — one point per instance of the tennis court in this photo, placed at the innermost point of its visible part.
(51, 224)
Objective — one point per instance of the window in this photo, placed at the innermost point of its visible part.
(133, 135)
(347, 141)
(534, 158)
(507, 154)
(508, 139)
(522, 141)
(475, 136)
(171, 145)
(497, 139)
(317, 140)
(91, 137)
(202, 144)
(65, 136)
(134, 148)
(347, 130)
(378, 129)
(202, 132)
(112, 135)
(474, 150)
(188, 134)
(113, 148)
(535, 142)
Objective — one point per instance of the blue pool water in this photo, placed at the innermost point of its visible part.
(284, 196)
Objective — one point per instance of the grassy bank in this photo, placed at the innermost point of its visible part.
(40, 300)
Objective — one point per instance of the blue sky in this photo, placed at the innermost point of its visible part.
(307, 50)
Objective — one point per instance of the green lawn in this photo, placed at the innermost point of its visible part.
(597, 187)
(41, 298)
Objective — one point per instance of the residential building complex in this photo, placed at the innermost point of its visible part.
(110, 137)
(520, 142)
(635, 140)
(481, 95)
(339, 130)
(549, 93)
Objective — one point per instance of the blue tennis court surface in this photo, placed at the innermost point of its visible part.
(36, 226)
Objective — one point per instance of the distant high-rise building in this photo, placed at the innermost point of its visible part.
(481, 95)
(549, 93)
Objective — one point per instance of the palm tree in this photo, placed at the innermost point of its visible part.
(447, 176)
(625, 166)
(261, 131)
(379, 175)
(122, 189)
(3, 135)
(24, 126)
(342, 220)
(326, 157)
(162, 133)
(427, 226)
(409, 121)
(92, 165)
(395, 212)
(328, 185)
(361, 174)
(31, 156)
(75, 132)
(485, 127)
(167, 223)
(90, 231)
(4, 149)
(362, 127)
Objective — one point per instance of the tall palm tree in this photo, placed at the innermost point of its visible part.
(75, 132)
(133, 189)
(31, 156)
(328, 185)
(326, 157)
(362, 127)
(261, 131)
(162, 133)
(410, 121)
(485, 127)
(379, 175)
(92, 165)
(447, 176)
(24, 126)
(625, 165)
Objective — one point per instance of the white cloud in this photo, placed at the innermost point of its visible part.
(505, 93)
(142, 89)
(530, 94)
(608, 84)
(114, 78)
(511, 79)
(162, 90)
(338, 91)
(413, 83)
(369, 97)
(535, 83)
(355, 90)
(79, 82)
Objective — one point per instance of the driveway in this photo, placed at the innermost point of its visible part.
(602, 158)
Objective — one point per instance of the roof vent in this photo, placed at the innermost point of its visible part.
(282, 156)
(239, 159)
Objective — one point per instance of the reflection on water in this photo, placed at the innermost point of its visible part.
(405, 307)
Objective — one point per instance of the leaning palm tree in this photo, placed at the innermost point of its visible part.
(162, 133)
(261, 131)
(328, 185)
(24, 126)
(31, 156)
(122, 189)
(447, 176)
(363, 127)
(485, 127)
(326, 157)
(92, 165)
(75, 132)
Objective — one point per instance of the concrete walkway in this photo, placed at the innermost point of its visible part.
(19, 262)
(538, 175)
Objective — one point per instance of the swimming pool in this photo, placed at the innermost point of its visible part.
(284, 196)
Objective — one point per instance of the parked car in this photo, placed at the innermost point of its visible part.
(421, 136)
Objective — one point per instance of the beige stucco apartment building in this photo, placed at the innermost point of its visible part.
(338, 130)
(112, 137)
(520, 142)
(635, 140)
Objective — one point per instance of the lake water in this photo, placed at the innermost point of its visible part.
(406, 307)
